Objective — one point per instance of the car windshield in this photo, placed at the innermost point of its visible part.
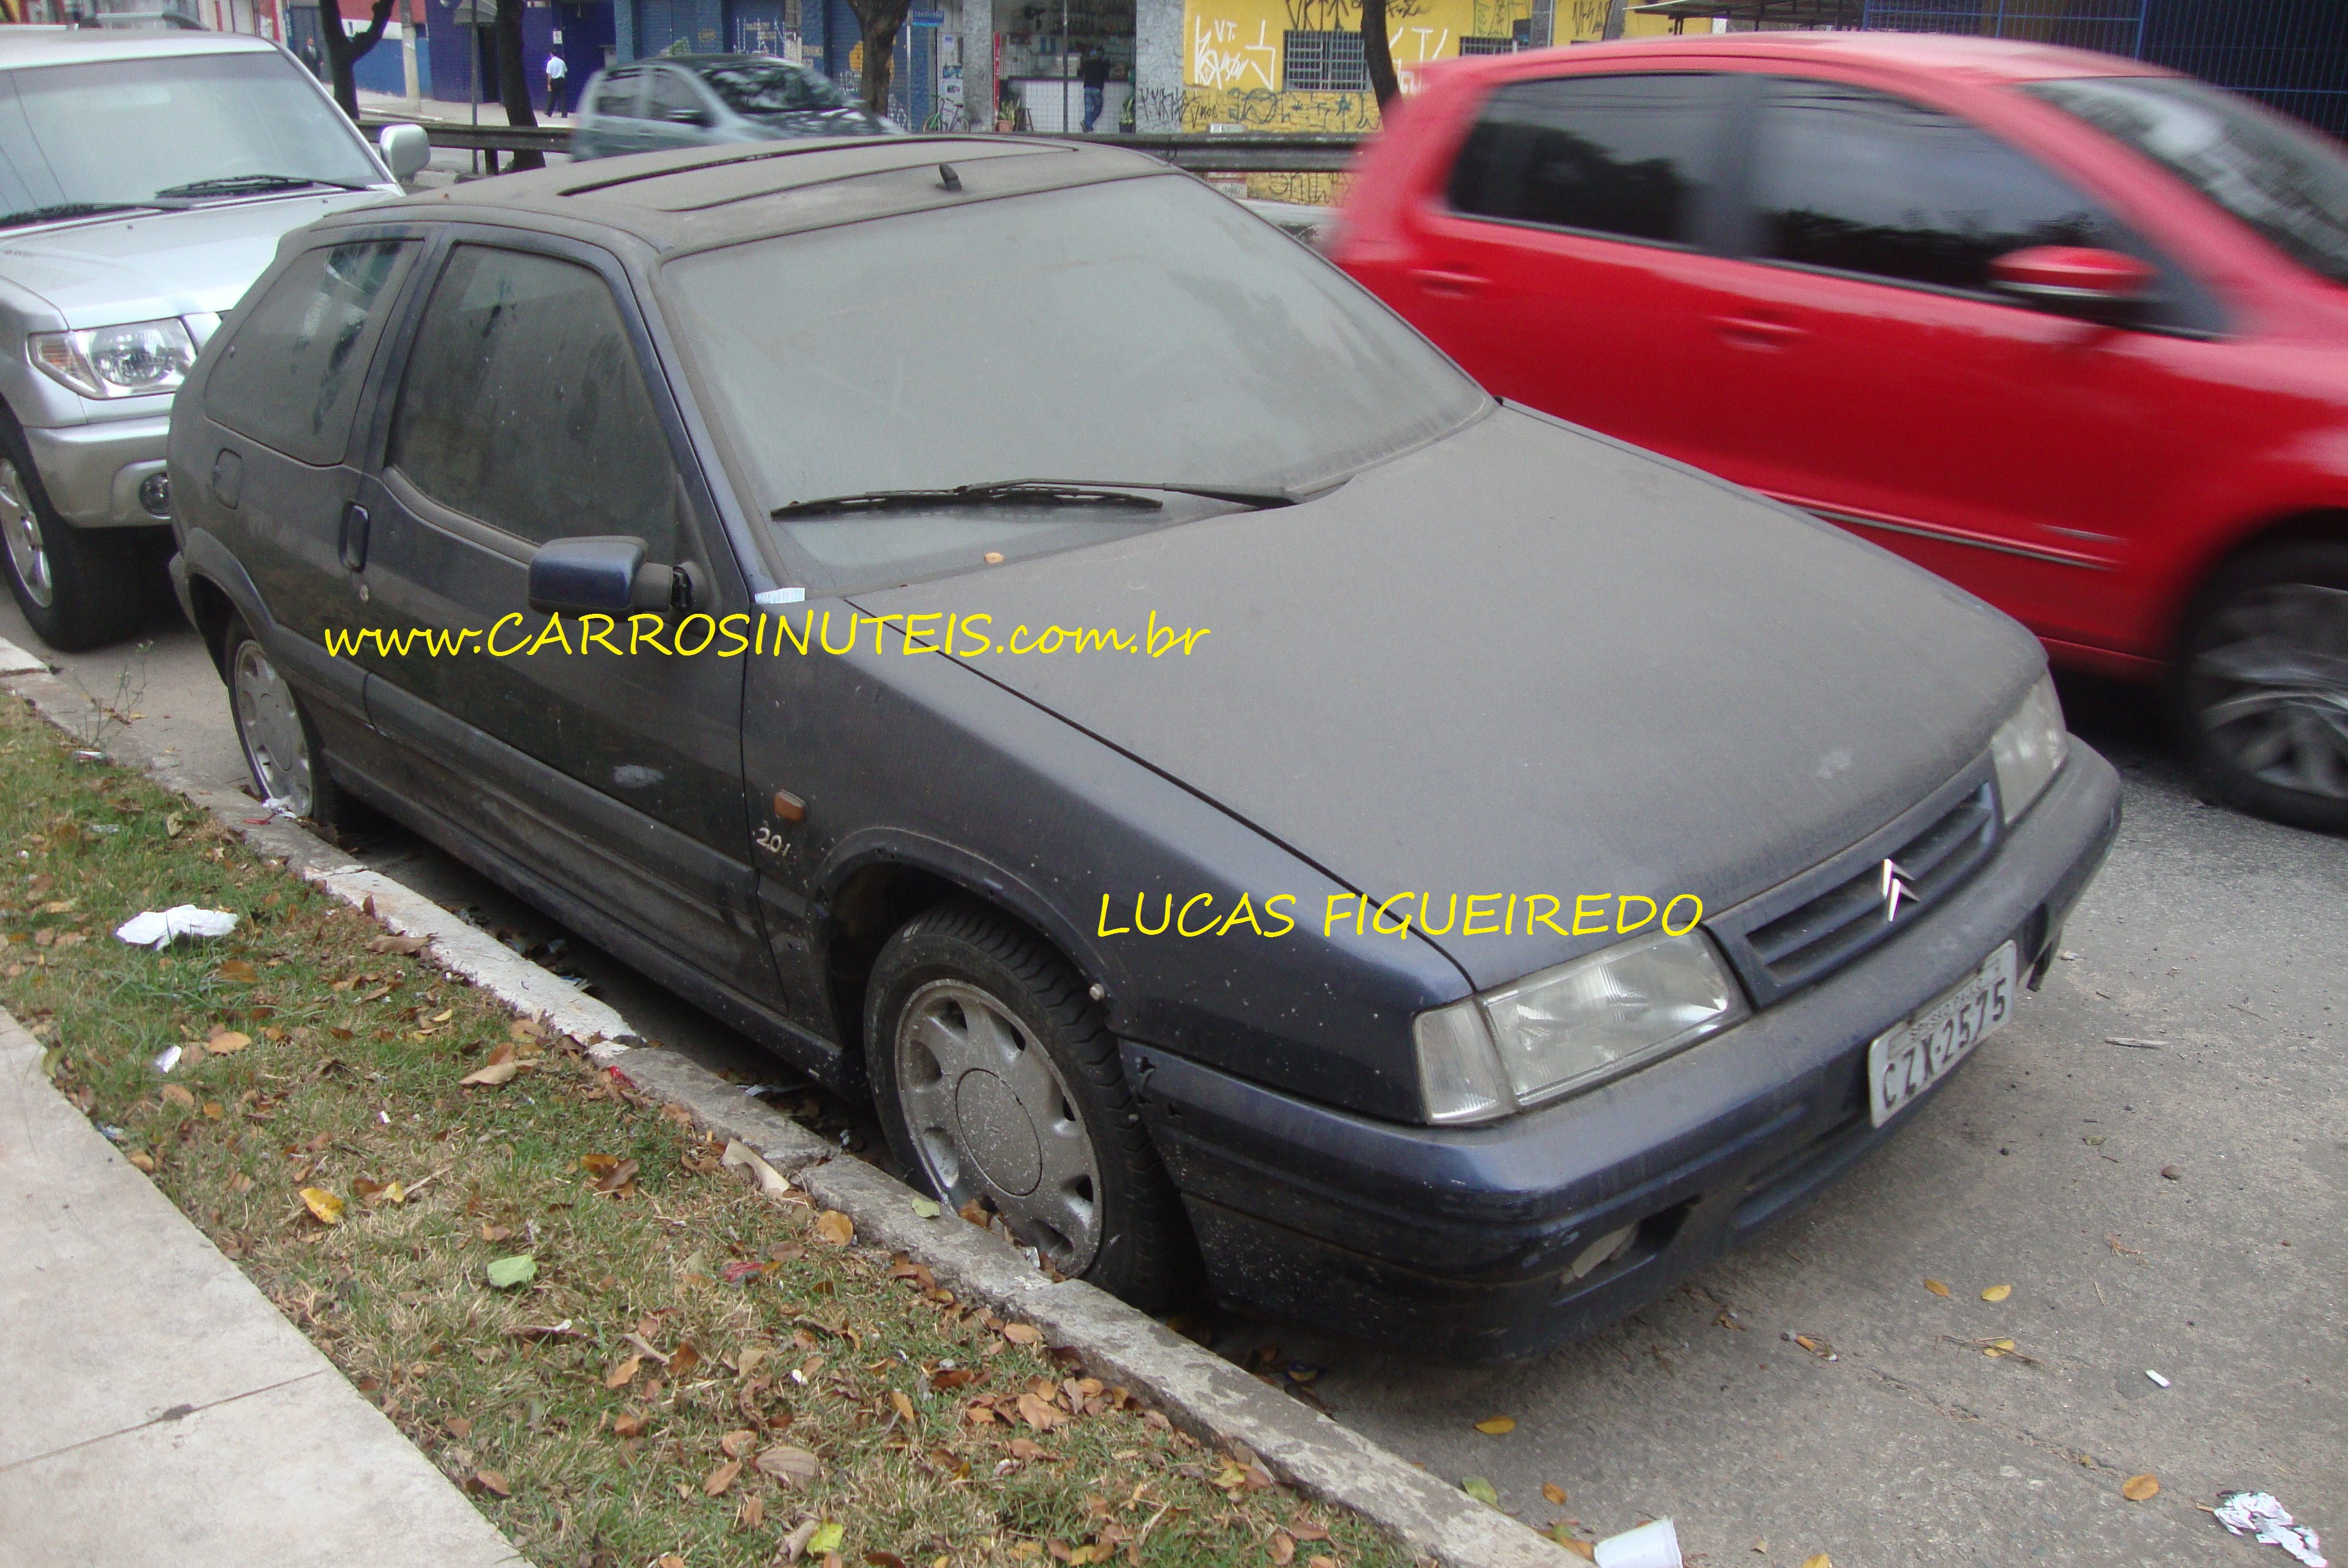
(770, 87)
(116, 133)
(1143, 332)
(2289, 185)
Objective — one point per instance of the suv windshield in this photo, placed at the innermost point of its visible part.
(772, 88)
(2289, 185)
(116, 133)
(1144, 332)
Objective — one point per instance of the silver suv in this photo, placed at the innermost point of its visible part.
(145, 177)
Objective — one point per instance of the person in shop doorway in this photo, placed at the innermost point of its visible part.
(1094, 76)
(557, 84)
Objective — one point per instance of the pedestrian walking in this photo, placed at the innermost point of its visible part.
(1094, 76)
(557, 84)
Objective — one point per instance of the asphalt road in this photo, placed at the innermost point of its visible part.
(2040, 1166)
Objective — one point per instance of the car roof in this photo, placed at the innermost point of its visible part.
(28, 46)
(692, 197)
(1986, 60)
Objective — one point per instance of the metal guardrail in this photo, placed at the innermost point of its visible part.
(1227, 154)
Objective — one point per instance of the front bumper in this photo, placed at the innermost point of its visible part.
(1459, 1242)
(92, 472)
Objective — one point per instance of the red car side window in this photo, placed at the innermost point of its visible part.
(1630, 156)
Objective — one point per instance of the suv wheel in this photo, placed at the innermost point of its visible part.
(2263, 685)
(78, 587)
(997, 1079)
(281, 745)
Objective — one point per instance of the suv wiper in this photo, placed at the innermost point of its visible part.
(245, 184)
(1030, 493)
(66, 210)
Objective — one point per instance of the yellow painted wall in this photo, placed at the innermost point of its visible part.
(1231, 53)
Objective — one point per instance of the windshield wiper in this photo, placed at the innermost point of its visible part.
(246, 184)
(1030, 493)
(66, 210)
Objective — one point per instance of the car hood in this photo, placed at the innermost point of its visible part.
(152, 264)
(1523, 660)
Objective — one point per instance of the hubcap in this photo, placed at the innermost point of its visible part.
(270, 728)
(27, 551)
(2271, 687)
(991, 1115)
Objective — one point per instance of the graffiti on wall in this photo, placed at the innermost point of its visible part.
(1232, 67)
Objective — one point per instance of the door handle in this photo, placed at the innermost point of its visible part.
(354, 541)
(1448, 284)
(1758, 331)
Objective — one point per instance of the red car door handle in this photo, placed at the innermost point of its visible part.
(1758, 331)
(1449, 285)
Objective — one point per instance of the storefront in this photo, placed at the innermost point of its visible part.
(1040, 50)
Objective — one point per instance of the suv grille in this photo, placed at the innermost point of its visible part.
(1805, 928)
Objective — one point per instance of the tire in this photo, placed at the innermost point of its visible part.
(280, 746)
(2262, 685)
(974, 1030)
(79, 588)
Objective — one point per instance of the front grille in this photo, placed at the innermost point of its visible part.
(1805, 928)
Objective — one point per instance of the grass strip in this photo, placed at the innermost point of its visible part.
(552, 1284)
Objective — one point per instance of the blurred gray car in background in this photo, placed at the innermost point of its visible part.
(711, 100)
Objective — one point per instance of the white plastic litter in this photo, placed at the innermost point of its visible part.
(2258, 1513)
(169, 1060)
(161, 929)
(1655, 1545)
(2156, 1376)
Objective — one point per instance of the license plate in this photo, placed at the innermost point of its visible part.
(1910, 1058)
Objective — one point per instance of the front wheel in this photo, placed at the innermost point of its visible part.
(78, 588)
(997, 1079)
(2263, 685)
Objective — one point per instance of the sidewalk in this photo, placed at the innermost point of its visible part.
(156, 1411)
(391, 106)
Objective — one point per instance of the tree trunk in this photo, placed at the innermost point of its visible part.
(513, 81)
(881, 21)
(343, 52)
(1376, 55)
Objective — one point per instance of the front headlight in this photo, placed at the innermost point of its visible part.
(1569, 1027)
(117, 362)
(2030, 748)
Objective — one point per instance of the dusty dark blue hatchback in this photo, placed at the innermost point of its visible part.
(1037, 647)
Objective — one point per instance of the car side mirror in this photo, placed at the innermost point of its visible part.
(2074, 281)
(603, 574)
(688, 117)
(405, 149)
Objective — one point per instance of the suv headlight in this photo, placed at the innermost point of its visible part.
(1573, 1026)
(2030, 748)
(117, 362)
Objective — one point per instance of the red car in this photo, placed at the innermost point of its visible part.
(2070, 331)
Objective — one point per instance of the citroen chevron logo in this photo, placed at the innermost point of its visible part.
(1896, 886)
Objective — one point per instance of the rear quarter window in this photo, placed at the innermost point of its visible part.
(290, 377)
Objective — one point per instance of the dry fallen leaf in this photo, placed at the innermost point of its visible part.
(721, 1478)
(322, 1203)
(683, 1359)
(1028, 1449)
(142, 1159)
(835, 1227)
(1497, 1426)
(1997, 1348)
(221, 1041)
(792, 1465)
(1037, 1414)
(1284, 1547)
(237, 969)
(1936, 1287)
(903, 1406)
(628, 1426)
(1554, 1493)
(620, 1375)
(492, 1481)
(1022, 1333)
(501, 1068)
(1816, 1560)
(179, 1094)
(752, 1513)
(2140, 1488)
(1580, 1548)
(391, 944)
(734, 1445)
(1997, 1293)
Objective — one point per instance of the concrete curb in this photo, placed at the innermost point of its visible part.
(1200, 1392)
